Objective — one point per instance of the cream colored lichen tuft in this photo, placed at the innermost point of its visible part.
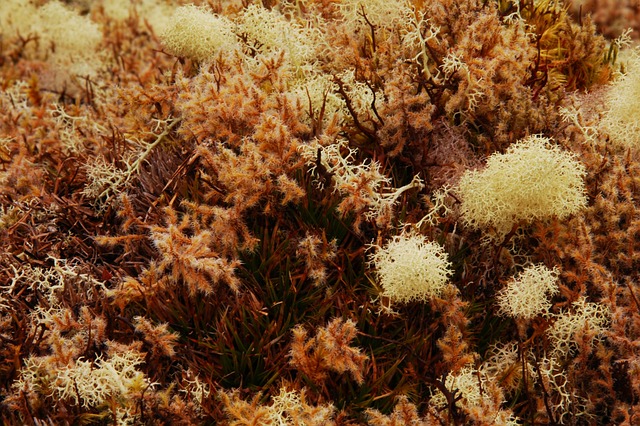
(474, 389)
(89, 383)
(16, 17)
(267, 31)
(622, 118)
(533, 180)
(527, 295)
(585, 316)
(56, 27)
(155, 13)
(384, 13)
(198, 34)
(411, 268)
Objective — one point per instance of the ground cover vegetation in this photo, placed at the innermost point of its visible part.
(319, 212)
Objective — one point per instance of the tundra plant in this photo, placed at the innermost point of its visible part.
(533, 180)
(585, 316)
(411, 268)
(268, 31)
(623, 107)
(527, 295)
(366, 190)
(475, 389)
(198, 34)
(55, 27)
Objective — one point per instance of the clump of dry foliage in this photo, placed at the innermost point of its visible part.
(318, 212)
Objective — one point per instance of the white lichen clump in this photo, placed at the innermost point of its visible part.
(527, 295)
(474, 388)
(505, 366)
(533, 180)
(365, 188)
(270, 30)
(198, 34)
(89, 383)
(385, 13)
(56, 28)
(585, 316)
(410, 268)
(622, 118)
(155, 13)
